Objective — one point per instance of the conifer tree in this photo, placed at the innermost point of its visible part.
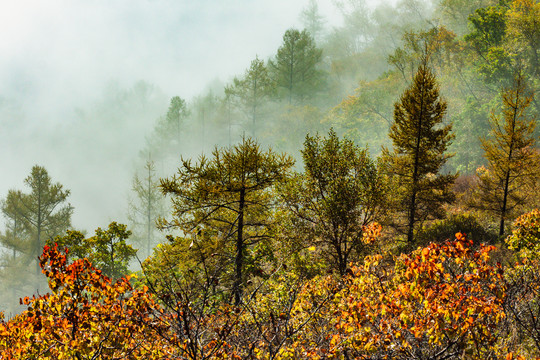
(39, 215)
(224, 200)
(146, 207)
(420, 140)
(295, 65)
(252, 91)
(510, 154)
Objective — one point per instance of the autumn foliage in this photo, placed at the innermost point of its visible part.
(443, 301)
(85, 316)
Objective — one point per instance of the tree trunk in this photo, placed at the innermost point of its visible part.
(412, 204)
(237, 286)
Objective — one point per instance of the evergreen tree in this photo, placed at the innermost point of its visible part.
(175, 115)
(295, 66)
(145, 209)
(166, 138)
(15, 237)
(420, 141)
(512, 159)
(43, 214)
(224, 200)
(312, 20)
(253, 91)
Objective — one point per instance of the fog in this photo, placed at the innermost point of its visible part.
(70, 72)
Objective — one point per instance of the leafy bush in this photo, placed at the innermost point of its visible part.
(442, 230)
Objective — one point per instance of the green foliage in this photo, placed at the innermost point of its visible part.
(295, 67)
(525, 237)
(472, 119)
(175, 115)
(38, 215)
(107, 250)
(340, 192)
(488, 28)
(445, 229)
(166, 139)
(434, 46)
(253, 92)
(524, 35)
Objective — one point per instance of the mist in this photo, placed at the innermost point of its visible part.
(70, 72)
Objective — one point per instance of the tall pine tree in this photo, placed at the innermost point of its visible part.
(252, 92)
(420, 140)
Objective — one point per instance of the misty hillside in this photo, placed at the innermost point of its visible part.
(344, 179)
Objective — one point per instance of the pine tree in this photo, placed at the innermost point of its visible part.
(295, 65)
(253, 91)
(43, 213)
(510, 153)
(420, 141)
(225, 200)
(312, 20)
(146, 207)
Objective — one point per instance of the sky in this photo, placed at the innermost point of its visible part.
(59, 60)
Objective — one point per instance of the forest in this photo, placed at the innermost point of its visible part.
(370, 191)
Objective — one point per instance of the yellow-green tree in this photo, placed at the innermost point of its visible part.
(420, 139)
(340, 192)
(225, 200)
(510, 154)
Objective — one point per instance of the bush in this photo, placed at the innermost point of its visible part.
(442, 230)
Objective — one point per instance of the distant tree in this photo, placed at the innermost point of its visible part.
(295, 67)
(512, 159)
(339, 193)
(312, 20)
(207, 120)
(15, 236)
(170, 127)
(146, 207)
(166, 139)
(420, 141)
(434, 46)
(225, 200)
(43, 213)
(456, 13)
(253, 91)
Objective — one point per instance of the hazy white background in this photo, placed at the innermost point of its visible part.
(59, 59)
